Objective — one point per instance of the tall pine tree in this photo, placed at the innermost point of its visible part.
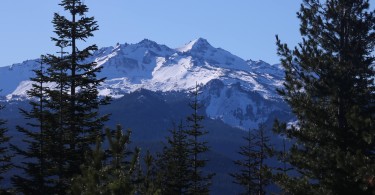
(65, 112)
(36, 164)
(255, 174)
(200, 182)
(57, 115)
(117, 175)
(283, 169)
(150, 176)
(74, 101)
(329, 84)
(173, 163)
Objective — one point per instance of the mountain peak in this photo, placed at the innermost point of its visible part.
(197, 44)
(148, 43)
(200, 41)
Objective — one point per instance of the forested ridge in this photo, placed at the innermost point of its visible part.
(330, 149)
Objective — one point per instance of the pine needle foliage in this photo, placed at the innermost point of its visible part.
(255, 174)
(173, 163)
(111, 171)
(200, 181)
(329, 84)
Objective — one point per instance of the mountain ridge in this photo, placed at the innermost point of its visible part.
(239, 92)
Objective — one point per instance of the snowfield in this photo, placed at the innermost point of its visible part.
(241, 93)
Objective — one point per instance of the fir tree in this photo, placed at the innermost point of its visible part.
(35, 178)
(248, 165)
(329, 85)
(149, 178)
(284, 169)
(74, 102)
(124, 163)
(255, 174)
(173, 163)
(116, 176)
(200, 182)
(5, 156)
(93, 177)
(57, 104)
(69, 121)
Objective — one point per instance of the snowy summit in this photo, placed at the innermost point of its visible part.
(228, 80)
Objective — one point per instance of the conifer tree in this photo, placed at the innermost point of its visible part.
(5, 156)
(57, 115)
(329, 84)
(35, 177)
(200, 182)
(74, 102)
(67, 111)
(173, 163)
(149, 178)
(123, 164)
(93, 177)
(116, 176)
(282, 171)
(255, 175)
(248, 165)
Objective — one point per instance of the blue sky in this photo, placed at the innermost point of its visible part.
(246, 28)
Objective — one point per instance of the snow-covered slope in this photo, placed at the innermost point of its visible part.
(241, 93)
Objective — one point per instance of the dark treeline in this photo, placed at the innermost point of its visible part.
(329, 85)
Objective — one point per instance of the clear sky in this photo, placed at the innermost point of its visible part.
(246, 28)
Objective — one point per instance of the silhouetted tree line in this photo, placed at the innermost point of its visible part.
(329, 85)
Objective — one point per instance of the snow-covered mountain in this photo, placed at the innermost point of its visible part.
(241, 93)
